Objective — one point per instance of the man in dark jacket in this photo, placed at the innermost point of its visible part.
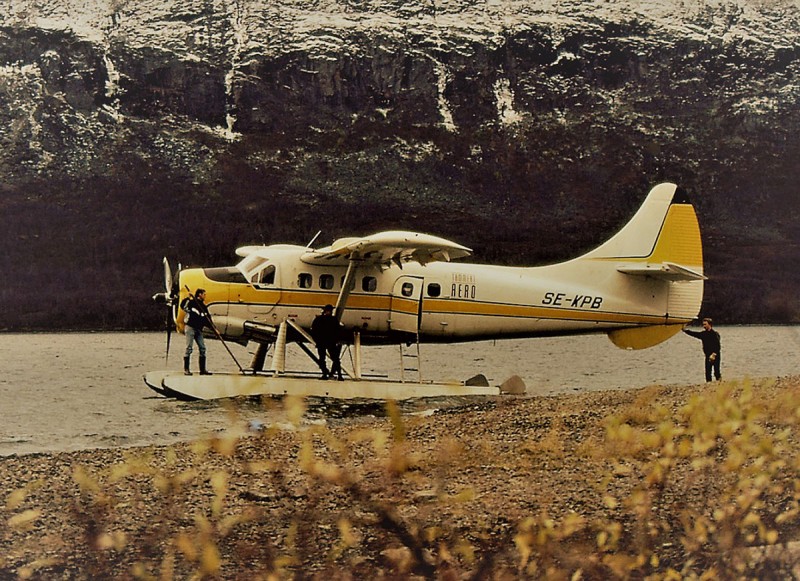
(711, 348)
(198, 318)
(325, 332)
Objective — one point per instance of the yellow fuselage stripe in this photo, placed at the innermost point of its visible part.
(292, 299)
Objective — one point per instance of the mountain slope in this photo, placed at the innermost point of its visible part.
(531, 133)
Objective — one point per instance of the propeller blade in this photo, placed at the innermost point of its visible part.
(170, 298)
(167, 277)
(169, 334)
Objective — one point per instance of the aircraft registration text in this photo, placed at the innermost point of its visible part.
(578, 301)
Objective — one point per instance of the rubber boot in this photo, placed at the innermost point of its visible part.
(203, 370)
(336, 369)
(186, 370)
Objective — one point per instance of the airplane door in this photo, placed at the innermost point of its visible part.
(261, 300)
(406, 304)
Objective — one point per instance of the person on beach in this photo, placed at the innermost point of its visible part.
(198, 319)
(711, 348)
(325, 332)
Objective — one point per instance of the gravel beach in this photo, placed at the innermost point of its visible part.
(611, 484)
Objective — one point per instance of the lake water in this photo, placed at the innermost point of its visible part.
(84, 390)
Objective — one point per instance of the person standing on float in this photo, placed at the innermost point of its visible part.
(198, 319)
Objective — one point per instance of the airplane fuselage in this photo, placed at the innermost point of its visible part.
(441, 301)
(640, 287)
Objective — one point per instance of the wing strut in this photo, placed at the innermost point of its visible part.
(344, 294)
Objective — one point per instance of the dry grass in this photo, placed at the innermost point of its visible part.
(658, 483)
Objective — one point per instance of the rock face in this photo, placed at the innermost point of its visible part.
(535, 127)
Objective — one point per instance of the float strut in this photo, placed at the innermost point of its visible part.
(279, 355)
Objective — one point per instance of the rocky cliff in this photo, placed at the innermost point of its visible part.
(527, 130)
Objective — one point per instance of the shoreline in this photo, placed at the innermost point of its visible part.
(46, 330)
(366, 411)
(450, 491)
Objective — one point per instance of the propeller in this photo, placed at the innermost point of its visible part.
(169, 298)
(167, 276)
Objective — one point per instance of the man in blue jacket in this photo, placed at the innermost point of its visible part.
(198, 318)
(711, 348)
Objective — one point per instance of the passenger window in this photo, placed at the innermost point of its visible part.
(352, 283)
(407, 289)
(304, 280)
(326, 281)
(369, 284)
(434, 290)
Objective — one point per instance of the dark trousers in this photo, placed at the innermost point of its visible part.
(713, 366)
(334, 352)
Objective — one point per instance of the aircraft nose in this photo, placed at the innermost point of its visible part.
(190, 280)
(193, 279)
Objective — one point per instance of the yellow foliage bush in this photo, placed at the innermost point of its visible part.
(679, 494)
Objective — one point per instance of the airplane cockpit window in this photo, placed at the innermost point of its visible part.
(304, 280)
(326, 281)
(265, 276)
(434, 290)
(407, 289)
(228, 274)
(369, 284)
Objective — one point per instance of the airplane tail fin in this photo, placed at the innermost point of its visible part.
(660, 243)
(665, 230)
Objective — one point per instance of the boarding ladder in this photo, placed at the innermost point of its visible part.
(410, 359)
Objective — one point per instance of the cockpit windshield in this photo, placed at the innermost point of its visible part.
(265, 276)
(257, 269)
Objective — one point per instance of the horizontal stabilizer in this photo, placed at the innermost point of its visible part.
(642, 337)
(665, 271)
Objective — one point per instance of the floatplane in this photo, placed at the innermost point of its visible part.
(640, 287)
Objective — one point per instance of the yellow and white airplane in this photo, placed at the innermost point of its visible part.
(640, 287)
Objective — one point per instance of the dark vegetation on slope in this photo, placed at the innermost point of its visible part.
(99, 184)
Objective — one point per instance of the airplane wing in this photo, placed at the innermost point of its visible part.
(385, 248)
(245, 251)
(665, 270)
